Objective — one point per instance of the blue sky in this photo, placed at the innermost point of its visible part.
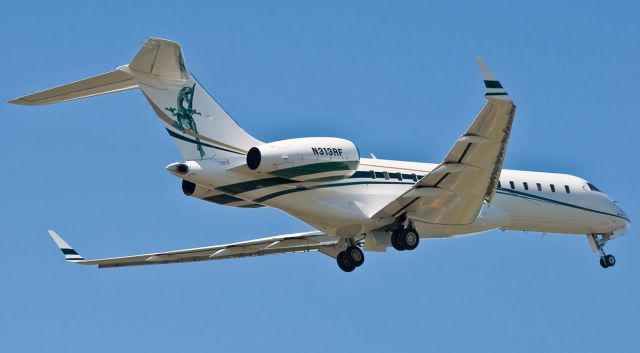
(399, 79)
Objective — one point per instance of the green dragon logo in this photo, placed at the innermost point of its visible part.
(184, 113)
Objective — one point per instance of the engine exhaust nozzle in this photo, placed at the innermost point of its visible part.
(179, 169)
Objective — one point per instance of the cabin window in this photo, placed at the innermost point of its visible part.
(539, 186)
(373, 174)
(379, 175)
(499, 185)
(526, 185)
(414, 177)
(566, 188)
(553, 187)
(386, 175)
(512, 184)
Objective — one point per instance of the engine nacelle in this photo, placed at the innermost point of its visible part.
(310, 158)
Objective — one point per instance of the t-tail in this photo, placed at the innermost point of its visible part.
(196, 122)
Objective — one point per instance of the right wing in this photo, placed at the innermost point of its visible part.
(288, 243)
(455, 191)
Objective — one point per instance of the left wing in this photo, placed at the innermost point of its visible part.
(455, 191)
(288, 243)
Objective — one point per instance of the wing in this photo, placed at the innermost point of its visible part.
(288, 243)
(455, 191)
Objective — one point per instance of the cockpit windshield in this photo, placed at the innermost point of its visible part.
(593, 187)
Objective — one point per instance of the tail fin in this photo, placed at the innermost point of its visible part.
(199, 126)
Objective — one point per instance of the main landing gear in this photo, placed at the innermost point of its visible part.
(350, 258)
(405, 238)
(599, 240)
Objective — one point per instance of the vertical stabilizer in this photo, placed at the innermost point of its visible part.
(197, 123)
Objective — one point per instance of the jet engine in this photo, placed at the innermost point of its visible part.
(302, 159)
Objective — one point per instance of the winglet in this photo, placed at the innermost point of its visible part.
(494, 88)
(68, 252)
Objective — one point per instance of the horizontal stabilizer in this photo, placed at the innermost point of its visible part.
(114, 81)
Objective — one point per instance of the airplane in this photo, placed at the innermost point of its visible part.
(353, 203)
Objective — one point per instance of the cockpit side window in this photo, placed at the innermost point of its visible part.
(593, 187)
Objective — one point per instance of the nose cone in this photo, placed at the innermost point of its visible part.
(623, 221)
(622, 214)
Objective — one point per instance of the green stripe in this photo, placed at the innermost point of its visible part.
(361, 174)
(69, 252)
(315, 169)
(251, 185)
(544, 199)
(222, 199)
(492, 84)
(500, 191)
(252, 205)
(289, 191)
(184, 138)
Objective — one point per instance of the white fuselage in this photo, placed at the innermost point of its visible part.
(369, 203)
(525, 201)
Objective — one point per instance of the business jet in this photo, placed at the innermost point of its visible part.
(353, 203)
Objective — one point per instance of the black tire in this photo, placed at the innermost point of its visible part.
(603, 263)
(356, 256)
(395, 236)
(402, 240)
(610, 260)
(411, 239)
(344, 262)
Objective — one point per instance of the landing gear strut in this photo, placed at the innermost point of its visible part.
(599, 241)
(405, 238)
(350, 258)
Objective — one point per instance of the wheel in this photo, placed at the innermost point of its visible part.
(410, 239)
(603, 263)
(356, 256)
(344, 262)
(610, 260)
(395, 237)
(402, 239)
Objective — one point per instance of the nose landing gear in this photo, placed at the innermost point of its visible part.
(598, 241)
(607, 261)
